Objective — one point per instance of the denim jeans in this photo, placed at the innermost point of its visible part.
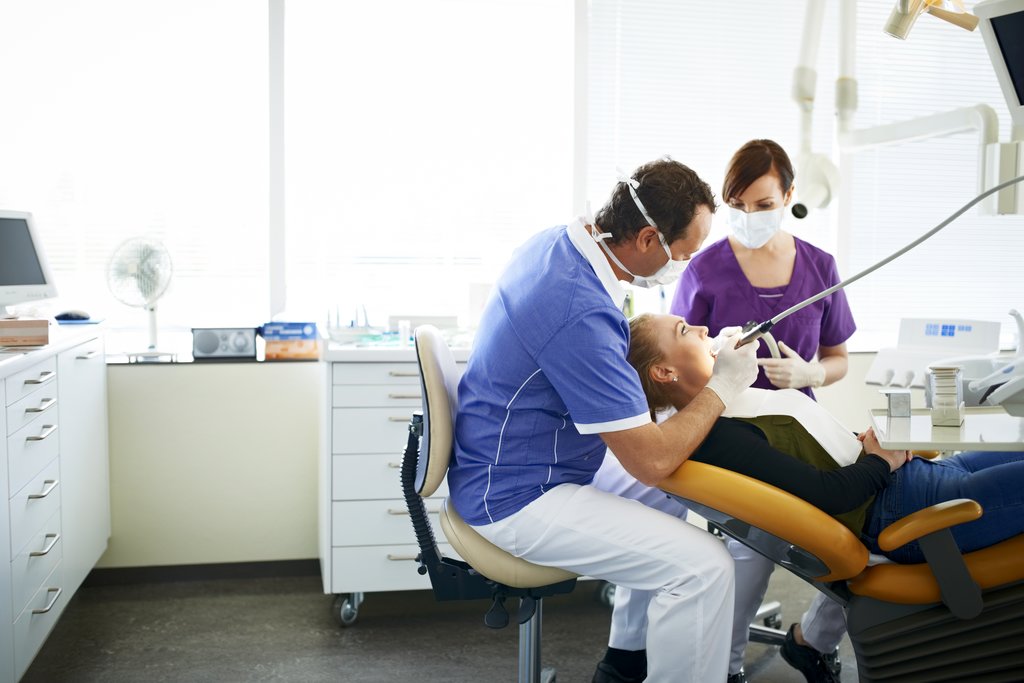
(993, 479)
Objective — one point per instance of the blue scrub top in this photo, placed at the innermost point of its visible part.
(547, 374)
(713, 291)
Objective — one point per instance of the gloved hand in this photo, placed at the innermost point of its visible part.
(735, 369)
(719, 341)
(792, 372)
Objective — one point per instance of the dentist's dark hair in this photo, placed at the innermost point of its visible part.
(670, 191)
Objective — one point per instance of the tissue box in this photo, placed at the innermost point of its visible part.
(291, 341)
(24, 332)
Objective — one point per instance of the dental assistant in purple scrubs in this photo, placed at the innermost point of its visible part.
(755, 273)
(760, 270)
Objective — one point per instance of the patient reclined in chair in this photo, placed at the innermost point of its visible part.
(884, 603)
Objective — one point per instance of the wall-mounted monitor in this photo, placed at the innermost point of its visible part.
(1002, 27)
(24, 273)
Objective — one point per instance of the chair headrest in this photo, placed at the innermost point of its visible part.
(439, 382)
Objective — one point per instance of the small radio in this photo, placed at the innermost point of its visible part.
(219, 343)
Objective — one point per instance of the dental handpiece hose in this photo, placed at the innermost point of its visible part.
(759, 330)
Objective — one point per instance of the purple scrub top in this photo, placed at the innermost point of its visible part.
(713, 291)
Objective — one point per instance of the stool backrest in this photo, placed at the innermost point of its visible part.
(439, 384)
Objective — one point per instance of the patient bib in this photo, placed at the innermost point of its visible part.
(836, 439)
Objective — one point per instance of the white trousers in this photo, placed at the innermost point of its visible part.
(686, 571)
(823, 624)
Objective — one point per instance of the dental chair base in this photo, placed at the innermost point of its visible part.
(954, 618)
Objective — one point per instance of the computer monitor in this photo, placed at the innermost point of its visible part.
(24, 273)
(1002, 28)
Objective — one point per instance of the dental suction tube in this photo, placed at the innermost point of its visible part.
(754, 331)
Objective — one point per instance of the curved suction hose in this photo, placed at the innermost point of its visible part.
(754, 331)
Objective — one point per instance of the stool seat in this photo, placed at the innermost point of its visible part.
(492, 561)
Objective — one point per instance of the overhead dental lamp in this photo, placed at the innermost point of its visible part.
(906, 12)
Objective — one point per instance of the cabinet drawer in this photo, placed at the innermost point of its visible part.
(375, 373)
(33, 379)
(33, 564)
(29, 450)
(368, 477)
(377, 522)
(370, 430)
(37, 619)
(376, 395)
(35, 503)
(380, 568)
(32, 407)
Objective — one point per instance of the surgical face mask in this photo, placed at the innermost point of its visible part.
(665, 275)
(753, 230)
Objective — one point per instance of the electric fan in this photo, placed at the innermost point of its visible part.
(138, 275)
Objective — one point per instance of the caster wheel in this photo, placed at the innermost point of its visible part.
(774, 621)
(344, 610)
(606, 594)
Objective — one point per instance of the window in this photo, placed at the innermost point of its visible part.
(969, 270)
(424, 142)
(695, 81)
(123, 119)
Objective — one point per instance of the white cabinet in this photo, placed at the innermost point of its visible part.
(55, 518)
(84, 468)
(366, 538)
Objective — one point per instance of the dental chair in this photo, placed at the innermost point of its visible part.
(485, 571)
(957, 617)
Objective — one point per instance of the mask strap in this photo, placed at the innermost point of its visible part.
(633, 185)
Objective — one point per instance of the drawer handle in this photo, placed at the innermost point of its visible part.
(51, 484)
(53, 601)
(43, 406)
(401, 558)
(395, 465)
(43, 378)
(419, 396)
(47, 430)
(88, 355)
(49, 546)
(399, 419)
(400, 373)
(395, 511)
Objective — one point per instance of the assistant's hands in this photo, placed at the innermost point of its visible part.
(896, 459)
(735, 369)
(792, 372)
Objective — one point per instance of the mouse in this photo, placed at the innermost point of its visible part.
(72, 315)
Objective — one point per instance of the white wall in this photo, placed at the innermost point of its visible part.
(212, 463)
(215, 463)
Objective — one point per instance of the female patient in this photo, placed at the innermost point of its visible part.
(674, 362)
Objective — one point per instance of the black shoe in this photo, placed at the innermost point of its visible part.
(606, 673)
(808, 661)
(740, 677)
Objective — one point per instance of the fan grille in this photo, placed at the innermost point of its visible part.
(139, 271)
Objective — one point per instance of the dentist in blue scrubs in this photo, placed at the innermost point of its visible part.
(548, 389)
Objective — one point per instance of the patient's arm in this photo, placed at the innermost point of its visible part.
(741, 447)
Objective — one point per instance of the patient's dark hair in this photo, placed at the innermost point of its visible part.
(671, 192)
(753, 160)
(643, 355)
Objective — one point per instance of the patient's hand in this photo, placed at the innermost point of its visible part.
(896, 459)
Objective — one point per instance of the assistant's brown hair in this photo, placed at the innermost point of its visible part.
(670, 191)
(753, 160)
